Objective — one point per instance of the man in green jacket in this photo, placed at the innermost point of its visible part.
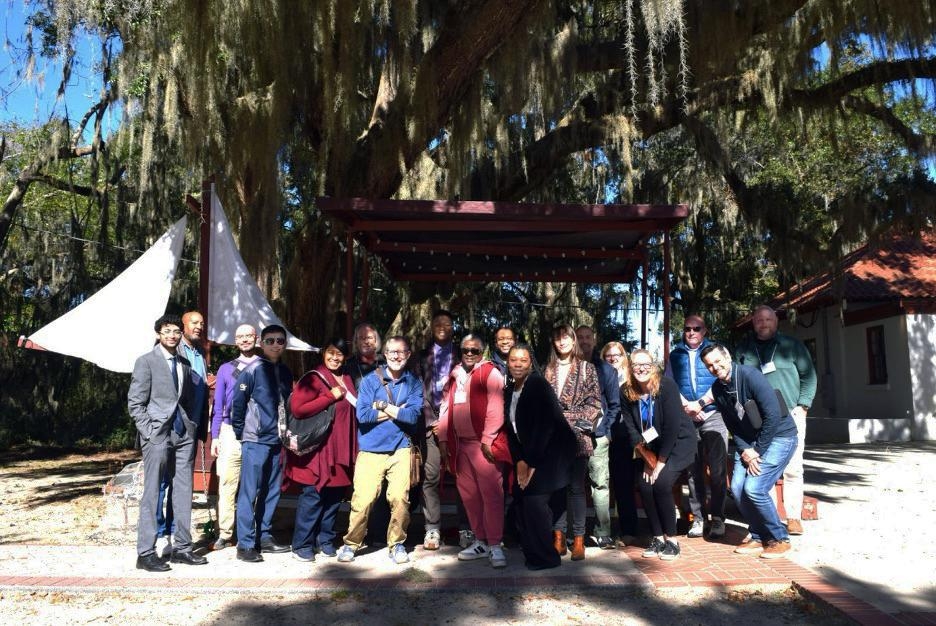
(788, 366)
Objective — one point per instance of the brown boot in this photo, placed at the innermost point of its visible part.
(559, 542)
(578, 548)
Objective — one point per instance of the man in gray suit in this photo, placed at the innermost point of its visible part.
(161, 400)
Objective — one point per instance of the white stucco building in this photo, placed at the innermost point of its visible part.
(871, 327)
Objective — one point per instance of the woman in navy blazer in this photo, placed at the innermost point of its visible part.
(652, 412)
(543, 447)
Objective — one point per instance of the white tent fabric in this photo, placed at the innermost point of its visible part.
(128, 306)
(233, 294)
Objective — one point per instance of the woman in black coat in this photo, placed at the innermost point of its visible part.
(543, 447)
(652, 412)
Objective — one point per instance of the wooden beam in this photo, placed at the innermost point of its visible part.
(508, 249)
(533, 277)
(501, 209)
(499, 225)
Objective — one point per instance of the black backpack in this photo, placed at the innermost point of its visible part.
(302, 436)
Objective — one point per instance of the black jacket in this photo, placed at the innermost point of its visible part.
(677, 436)
(543, 437)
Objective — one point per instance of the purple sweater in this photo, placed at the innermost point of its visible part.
(224, 393)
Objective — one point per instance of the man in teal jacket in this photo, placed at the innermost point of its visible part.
(788, 366)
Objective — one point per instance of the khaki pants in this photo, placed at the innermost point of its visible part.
(793, 474)
(370, 469)
(229, 467)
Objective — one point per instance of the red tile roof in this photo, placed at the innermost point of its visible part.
(895, 269)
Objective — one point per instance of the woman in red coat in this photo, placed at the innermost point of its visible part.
(325, 473)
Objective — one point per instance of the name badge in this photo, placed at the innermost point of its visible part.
(739, 409)
(768, 368)
(461, 397)
(650, 434)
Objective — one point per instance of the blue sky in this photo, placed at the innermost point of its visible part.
(34, 101)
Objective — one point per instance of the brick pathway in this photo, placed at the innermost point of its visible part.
(702, 563)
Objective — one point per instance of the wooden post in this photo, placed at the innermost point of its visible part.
(643, 303)
(204, 259)
(349, 284)
(365, 290)
(666, 297)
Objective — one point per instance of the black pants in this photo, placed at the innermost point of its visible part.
(576, 499)
(536, 514)
(624, 471)
(658, 501)
(713, 451)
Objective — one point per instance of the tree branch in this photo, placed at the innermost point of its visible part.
(471, 33)
(919, 144)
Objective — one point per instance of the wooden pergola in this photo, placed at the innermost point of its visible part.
(448, 241)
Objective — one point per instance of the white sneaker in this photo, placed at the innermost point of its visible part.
(498, 558)
(432, 540)
(465, 538)
(398, 554)
(697, 528)
(718, 528)
(477, 550)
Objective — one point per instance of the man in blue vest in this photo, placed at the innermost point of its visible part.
(695, 386)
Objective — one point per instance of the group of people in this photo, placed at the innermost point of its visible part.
(523, 442)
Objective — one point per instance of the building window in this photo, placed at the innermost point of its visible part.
(877, 363)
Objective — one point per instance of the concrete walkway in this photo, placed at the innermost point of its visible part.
(870, 555)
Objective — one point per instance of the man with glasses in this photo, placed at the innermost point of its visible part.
(162, 401)
(261, 388)
(695, 388)
(389, 402)
(193, 329)
(224, 445)
(598, 468)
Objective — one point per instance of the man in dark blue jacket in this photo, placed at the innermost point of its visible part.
(598, 471)
(765, 441)
(261, 389)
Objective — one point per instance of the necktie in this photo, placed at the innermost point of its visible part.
(177, 424)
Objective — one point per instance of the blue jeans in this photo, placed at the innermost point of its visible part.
(261, 476)
(752, 493)
(315, 517)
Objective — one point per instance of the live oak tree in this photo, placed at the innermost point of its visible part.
(710, 102)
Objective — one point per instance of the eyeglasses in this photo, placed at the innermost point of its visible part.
(641, 367)
(269, 341)
(471, 351)
(695, 329)
(250, 336)
(397, 352)
(613, 355)
(171, 333)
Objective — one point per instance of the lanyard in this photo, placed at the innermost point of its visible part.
(761, 359)
(646, 412)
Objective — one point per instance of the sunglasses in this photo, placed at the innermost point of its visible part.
(696, 329)
(471, 351)
(277, 340)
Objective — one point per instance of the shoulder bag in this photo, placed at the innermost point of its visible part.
(302, 436)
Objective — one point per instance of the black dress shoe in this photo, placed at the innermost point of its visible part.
(188, 558)
(272, 547)
(152, 563)
(249, 555)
